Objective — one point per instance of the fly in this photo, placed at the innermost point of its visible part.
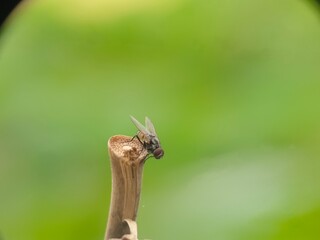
(148, 138)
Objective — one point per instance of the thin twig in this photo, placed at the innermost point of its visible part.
(127, 158)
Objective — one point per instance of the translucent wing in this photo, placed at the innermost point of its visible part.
(150, 127)
(139, 126)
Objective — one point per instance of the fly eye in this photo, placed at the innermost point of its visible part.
(158, 153)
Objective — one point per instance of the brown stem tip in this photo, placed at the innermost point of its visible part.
(127, 158)
(127, 147)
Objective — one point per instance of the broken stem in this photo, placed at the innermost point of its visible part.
(127, 158)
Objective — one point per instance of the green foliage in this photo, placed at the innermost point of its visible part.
(232, 88)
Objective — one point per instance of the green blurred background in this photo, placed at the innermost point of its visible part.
(233, 88)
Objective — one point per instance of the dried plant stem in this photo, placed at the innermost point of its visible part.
(127, 158)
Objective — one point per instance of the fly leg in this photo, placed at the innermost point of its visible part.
(142, 143)
(137, 137)
(149, 156)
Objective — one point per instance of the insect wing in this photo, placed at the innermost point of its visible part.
(150, 127)
(139, 126)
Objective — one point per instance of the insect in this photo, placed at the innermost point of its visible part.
(148, 138)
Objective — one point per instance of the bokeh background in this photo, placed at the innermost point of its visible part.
(233, 88)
